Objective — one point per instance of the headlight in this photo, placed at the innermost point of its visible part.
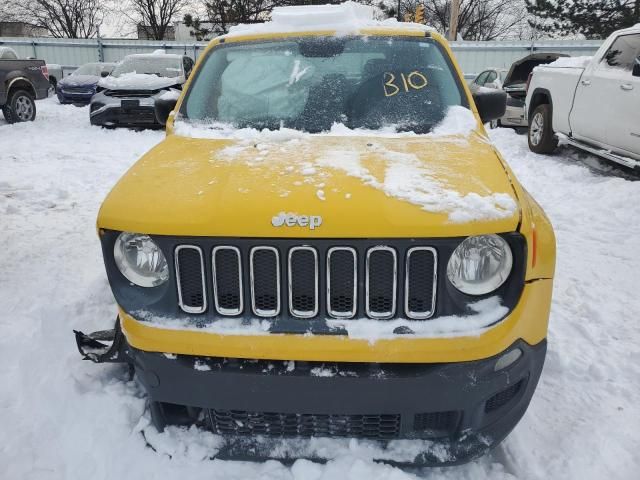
(479, 265)
(140, 260)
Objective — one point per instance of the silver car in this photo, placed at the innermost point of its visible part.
(514, 82)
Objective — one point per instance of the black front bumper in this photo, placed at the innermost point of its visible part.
(65, 97)
(464, 408)
(136, 112)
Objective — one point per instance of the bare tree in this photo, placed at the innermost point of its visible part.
(226, 13)
(156, 15)
(478, 19)
(61, 18)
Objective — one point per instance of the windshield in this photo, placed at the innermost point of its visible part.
(311, 83)
(94, 69)
(160, 66)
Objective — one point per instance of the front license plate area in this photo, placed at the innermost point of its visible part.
(130, 104)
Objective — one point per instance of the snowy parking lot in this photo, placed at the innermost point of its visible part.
(62, 418)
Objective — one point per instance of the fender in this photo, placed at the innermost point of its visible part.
(12, 81)
(532, 105)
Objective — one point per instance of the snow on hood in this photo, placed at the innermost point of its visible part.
(407, 177)
(139, 81)
(79, 80)
(570, 62)
(346, 18)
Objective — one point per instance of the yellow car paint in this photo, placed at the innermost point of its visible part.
(188, 186)
(185, 186)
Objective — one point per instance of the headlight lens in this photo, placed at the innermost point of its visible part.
(140, 260)
(480, 264)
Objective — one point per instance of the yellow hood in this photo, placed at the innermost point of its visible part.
(360, 186)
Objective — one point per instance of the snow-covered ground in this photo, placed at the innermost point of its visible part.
(61, 418)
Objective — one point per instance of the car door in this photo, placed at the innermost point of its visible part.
(590, 112)
(623, 58)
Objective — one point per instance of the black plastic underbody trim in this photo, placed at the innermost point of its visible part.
(178, 391)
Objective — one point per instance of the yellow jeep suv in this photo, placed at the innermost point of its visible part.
(326, 244)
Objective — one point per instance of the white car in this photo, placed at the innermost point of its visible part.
(592, 103)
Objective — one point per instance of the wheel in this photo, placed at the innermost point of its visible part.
(53, 83)
(541, 136)
(20, 107)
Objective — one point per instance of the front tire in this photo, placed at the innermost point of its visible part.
(540, 134)
(20, 107)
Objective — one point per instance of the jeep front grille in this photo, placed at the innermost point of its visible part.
(342, 282)
(265, 281)
(227, 280)
(190, 279)
(306, 281)
(303, 282)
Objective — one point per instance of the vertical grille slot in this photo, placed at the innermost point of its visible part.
(303, 282)
(420, 283)
(227, 280)
(265, 281)
(192, 296)
(342, 282)
(381, 282)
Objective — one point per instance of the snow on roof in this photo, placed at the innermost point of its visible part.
(570, 62)
(345, 18)
(155, 54)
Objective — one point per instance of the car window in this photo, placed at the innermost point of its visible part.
(7, 54)
(491, 77)
(311, 83)
(482, 78)
(162, 66)
(623, 52)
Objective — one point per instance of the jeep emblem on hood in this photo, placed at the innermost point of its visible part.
(293, 220)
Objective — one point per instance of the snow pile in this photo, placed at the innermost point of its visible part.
(172, 94)
(343, 19)
(143, 81)
(570, 62)
(407, 178)
(459, 121)
(223, 326)
(484, 314)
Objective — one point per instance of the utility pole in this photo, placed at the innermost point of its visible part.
(453, 20)
(398, 14)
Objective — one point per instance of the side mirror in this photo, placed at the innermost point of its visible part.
(636, 68)
(491, 103)
(163, 107)
(104, 73)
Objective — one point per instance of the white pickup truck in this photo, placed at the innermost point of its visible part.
(592, 103)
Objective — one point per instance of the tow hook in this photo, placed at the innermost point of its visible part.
(103, 346)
